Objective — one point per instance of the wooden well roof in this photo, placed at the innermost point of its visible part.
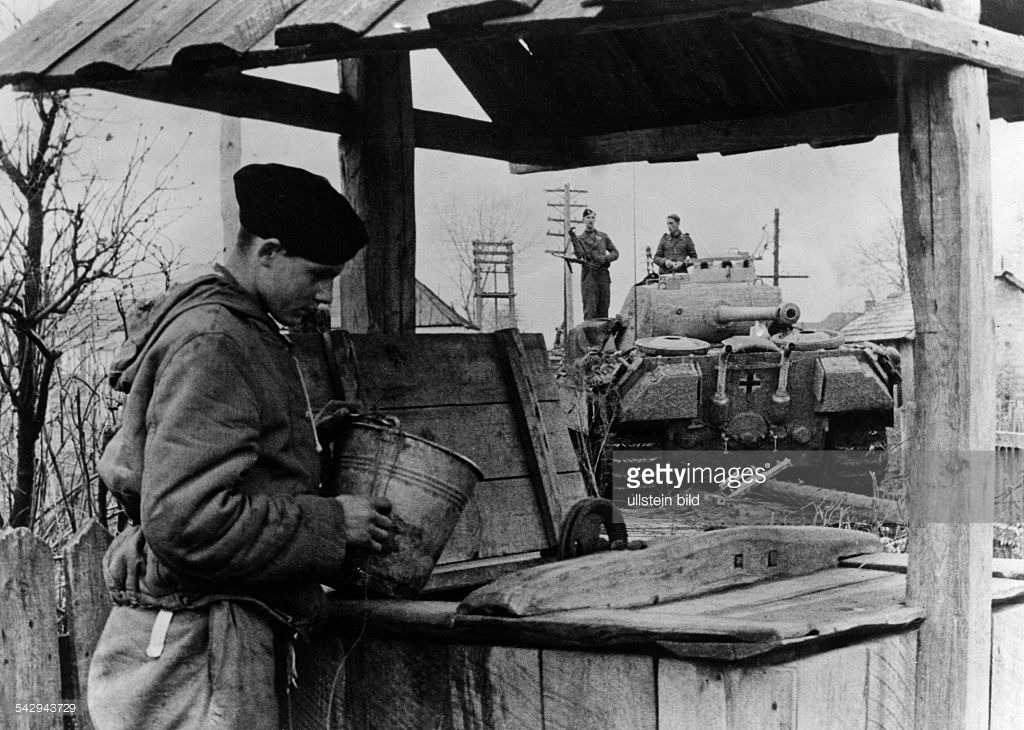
(565, 82)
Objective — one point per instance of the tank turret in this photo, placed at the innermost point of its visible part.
(714, 359)
(713, 301)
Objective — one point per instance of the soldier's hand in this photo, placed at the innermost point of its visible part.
(572, 231)
(367, 521)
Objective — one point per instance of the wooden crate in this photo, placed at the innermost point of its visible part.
(490, 397)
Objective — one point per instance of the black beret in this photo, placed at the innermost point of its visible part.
(302, 210)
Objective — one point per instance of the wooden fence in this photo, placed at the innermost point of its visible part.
(52, 610)
(1010, 416)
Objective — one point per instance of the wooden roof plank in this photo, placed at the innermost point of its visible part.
(56, 31)
(134, 35)
(501, 74)
(235, 24)
(320, 21)
(893, 26)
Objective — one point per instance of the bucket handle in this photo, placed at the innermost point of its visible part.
(378, 419)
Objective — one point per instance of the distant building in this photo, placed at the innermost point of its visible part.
(891, 322)
(434, 316)
(833, 322)
(1009, 316)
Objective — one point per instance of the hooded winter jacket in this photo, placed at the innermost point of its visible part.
(216, 462)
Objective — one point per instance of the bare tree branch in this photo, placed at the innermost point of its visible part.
(882, 265)
(485, 217)
(68, 232)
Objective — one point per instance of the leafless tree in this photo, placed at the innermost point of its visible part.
(67, 236)
(882, 264)
(485, 217)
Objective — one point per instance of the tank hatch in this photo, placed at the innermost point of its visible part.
(672, 345)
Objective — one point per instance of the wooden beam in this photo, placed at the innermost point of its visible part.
(377, 176)
(239, 95)
(539, 456)
(460, 135)
(850, 123)
(230, 161)
(899, 27)
(946, 189)
(250, 97)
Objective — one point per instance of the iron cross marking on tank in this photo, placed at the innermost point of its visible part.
(750, 382)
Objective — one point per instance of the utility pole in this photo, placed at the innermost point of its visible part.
(565, 206)
(775, 270)
(775, 275)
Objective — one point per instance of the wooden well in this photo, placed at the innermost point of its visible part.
(834, 649)
(744, 75)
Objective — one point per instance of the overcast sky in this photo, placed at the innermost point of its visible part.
(831, 201)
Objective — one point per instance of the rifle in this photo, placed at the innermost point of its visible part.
(570, 260)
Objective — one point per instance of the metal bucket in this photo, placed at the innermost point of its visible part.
(428, 486)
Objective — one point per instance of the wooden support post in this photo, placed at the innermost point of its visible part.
(377, 290)
(946, 187)
(539, 456)
(230, 161)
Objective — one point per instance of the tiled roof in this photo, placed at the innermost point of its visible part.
(835, 321)
(890, 319)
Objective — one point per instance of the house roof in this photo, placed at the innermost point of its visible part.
(835, 321)
(431, 311)
(660, 79)
(890, 319)
(893, 318)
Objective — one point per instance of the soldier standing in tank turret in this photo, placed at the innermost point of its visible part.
(596, 250)
(675, 249)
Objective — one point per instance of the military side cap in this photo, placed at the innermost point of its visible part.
(302, 210)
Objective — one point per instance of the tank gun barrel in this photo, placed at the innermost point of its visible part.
(786, 313)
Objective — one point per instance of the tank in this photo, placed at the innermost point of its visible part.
(715, 359)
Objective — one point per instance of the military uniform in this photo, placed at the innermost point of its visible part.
(216, 464)
(674, 248)
(597, 248)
